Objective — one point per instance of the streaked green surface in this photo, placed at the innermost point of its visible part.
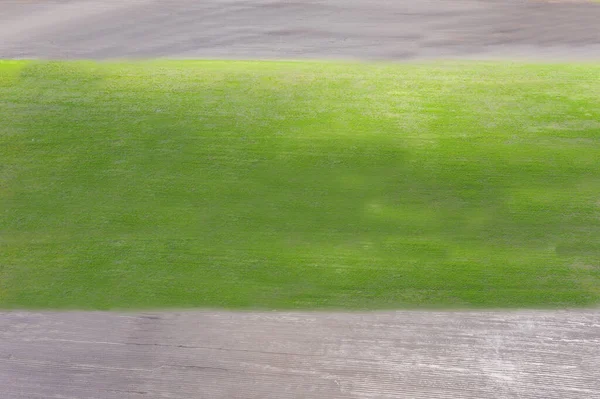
(299, 185)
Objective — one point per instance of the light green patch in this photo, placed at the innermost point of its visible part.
(10, 71)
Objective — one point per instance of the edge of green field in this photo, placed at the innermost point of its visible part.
(299, 185)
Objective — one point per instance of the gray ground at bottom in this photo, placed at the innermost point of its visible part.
(204, 354)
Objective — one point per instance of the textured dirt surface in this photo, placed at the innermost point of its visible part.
(301, 355)
(349, 29)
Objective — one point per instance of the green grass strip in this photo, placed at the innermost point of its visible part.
(299, 185)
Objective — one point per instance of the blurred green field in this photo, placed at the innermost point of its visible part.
(299, 185)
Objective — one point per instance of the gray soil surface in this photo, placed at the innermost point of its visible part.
(300, 355)
(292, 29)
(261, 355)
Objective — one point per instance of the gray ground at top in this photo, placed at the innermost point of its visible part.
(292, 29)
(272, 355)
